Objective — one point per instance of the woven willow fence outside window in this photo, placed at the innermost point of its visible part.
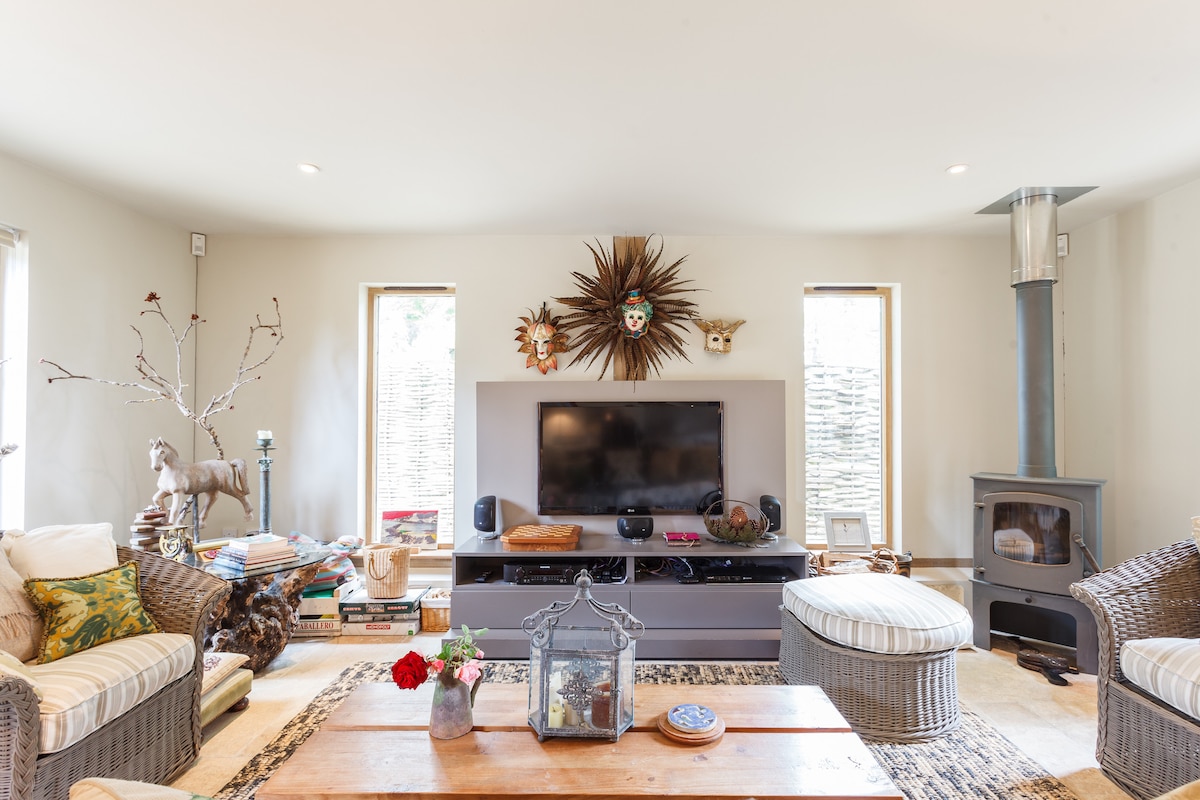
(413, 406)
(847, 408)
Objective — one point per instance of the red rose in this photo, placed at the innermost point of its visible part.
(410, 671)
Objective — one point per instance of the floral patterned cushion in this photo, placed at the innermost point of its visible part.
(79, 613)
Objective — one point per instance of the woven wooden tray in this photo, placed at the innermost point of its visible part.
(543, 538)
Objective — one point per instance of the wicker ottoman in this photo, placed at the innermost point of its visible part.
(881, 646)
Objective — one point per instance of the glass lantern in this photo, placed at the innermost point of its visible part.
(581, 678)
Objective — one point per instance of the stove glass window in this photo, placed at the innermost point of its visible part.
(1036, 533)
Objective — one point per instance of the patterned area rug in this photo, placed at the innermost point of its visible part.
(975, 761)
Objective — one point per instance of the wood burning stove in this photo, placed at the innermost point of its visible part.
(1035, 533)
(1033, 539)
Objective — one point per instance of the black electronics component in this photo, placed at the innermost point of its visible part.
(635, 528)
(692, 578)
(628, 458)
(747, 573)
(556, 574)
(485, 513)
(772, 509)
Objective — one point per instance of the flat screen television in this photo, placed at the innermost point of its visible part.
(628, 457)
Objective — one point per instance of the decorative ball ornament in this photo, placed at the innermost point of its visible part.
(612, 317)
(541, 339)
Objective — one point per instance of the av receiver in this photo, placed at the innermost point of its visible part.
(552, 574)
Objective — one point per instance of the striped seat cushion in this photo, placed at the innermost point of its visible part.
(86, 690)
(878, 613)
(1169, 669)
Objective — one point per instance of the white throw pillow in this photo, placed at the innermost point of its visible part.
(61, 551)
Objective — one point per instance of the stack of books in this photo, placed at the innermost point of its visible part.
(147, 528)
(319, 613)
(365, 616)
(252, 552)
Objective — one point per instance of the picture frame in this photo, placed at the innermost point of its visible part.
(413, 528)
(847, 531)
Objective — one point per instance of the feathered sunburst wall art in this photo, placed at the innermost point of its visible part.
(540, 338)
(629, 310)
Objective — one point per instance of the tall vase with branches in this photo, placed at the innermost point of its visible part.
(163, 387)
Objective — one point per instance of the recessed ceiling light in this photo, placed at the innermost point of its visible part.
(957, 169)
(310, 169)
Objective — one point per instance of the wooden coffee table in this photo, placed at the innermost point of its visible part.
(780, 741)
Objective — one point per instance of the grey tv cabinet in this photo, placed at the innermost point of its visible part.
(694, 621)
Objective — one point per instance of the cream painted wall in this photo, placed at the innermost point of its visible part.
(1132, 368)
(1127, 378)
(956, 329)
(91, 264)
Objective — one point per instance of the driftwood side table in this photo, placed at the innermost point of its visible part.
(257, 618)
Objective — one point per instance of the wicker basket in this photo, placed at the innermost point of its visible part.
(735, 522)
(435, 611)
(386, 566)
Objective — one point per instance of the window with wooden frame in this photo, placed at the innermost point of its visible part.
(410, 415)
(847, 409)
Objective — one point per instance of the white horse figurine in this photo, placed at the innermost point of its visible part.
(180, 479)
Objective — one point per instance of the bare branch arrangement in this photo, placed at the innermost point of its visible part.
(161, 388)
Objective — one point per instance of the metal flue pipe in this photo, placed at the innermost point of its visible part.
(1034, 222)
(1033, 213)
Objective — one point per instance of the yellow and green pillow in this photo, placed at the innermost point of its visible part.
(78, 613)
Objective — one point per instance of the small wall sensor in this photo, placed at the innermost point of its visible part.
(197, 244)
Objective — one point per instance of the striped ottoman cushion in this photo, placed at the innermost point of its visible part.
(89, 689)
(1169, 669)
(878, 613)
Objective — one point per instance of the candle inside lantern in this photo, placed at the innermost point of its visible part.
(554, 716)
(602, 705)
(265, 435)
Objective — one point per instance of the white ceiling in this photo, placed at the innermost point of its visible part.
(617, 116)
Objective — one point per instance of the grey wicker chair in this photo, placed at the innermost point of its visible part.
(1144, 745)
(152, 742)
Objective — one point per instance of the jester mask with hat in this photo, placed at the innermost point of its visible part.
(636, 314)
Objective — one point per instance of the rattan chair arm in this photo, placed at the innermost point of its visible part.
(1156, 594)
(179, 598)
(20, 729)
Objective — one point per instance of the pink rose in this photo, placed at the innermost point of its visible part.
(437, 664)
(469, 672)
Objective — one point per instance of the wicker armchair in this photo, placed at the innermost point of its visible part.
(151, 742)
(1144, 745)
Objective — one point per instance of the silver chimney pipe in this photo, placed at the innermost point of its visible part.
(1034, 250)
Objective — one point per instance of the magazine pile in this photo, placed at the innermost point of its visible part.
(258, 550)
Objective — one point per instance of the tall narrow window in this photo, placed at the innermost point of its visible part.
(411, 430)
(847, 408)
(14, 363)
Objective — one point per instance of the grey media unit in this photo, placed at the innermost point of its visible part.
(682, 620)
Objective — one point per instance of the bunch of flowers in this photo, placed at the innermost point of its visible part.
(459, 656)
